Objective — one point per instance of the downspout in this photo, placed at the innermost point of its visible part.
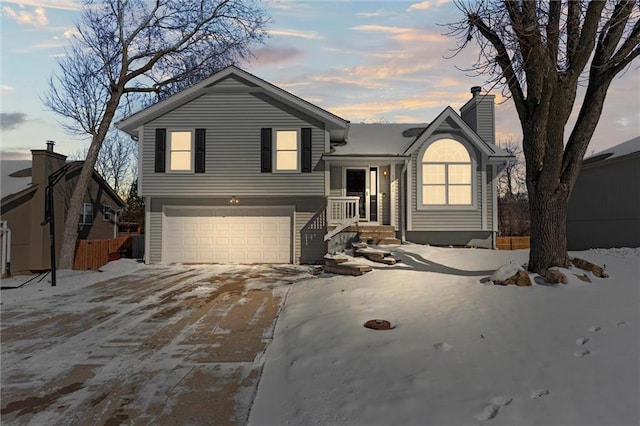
(403, 202)
(6, 249)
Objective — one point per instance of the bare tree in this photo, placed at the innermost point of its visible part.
(540, 51)
(125, 48)
(117, 161)
(512, 180)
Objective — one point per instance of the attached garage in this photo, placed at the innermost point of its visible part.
(227, 234)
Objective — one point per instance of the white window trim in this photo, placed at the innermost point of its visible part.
(107, 213)
(83, 214)
(419, 178)
(168, 153)
(274, 150)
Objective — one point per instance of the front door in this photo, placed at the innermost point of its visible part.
(356, 186)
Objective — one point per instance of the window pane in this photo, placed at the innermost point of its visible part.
(460, 173)
(460, 195)
(433, 173)
(373, 182)
(433, 194)
(180, 141)
(287, 160)
(446, 151)
(287, 139)
(181, 160)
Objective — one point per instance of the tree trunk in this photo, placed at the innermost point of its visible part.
(70, 237)
(548, 211)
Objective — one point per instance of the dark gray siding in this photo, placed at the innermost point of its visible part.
(309, 227)
(232, 120)
(604, 208)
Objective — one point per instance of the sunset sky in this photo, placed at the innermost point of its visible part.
(362, 60)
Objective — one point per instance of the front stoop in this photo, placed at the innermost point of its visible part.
(374, 234)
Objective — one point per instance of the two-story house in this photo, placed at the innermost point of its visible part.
(237, 170)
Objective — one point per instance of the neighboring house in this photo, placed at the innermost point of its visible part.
(235, 169)
(23, 208)
(604, 208)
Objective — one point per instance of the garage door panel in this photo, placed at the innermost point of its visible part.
(211, 235)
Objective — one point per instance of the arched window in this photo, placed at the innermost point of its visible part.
(446, 174)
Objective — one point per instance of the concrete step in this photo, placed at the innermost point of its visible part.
(389, 242)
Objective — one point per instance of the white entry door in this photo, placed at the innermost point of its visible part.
(227, 235)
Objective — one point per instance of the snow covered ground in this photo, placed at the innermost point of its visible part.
(463, 352)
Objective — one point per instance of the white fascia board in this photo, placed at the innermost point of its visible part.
(435, 124)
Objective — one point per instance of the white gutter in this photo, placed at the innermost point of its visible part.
(6, 249)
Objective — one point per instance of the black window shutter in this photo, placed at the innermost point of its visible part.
(265, 150)
(306, 150)
(161, 148)
(200, 144)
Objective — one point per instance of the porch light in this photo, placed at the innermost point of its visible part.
(384, 173)
(234, 200)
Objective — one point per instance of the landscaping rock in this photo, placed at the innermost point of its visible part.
(596, 270)
(520, 278)
(553, 276)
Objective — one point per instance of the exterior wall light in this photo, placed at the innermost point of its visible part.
(234, 200)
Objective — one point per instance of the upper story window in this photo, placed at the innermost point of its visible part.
(446, 174)
(106, 213)
(287, 151)
(86, 214)
(180, 151)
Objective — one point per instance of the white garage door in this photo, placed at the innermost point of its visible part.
(227, 235)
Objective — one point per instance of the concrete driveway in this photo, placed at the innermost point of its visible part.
(163, 345)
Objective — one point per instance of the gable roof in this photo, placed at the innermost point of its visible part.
(378, 139)
(17, 179)
(630, 147)
(332, 121)
(16, 176)
(492, 151)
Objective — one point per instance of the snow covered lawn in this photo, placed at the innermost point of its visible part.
(463, 352)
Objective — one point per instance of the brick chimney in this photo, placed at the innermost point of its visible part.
(44, 162)
(479, 114)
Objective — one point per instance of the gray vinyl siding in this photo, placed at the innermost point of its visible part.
(232, 120)
(489, 200)
(604, 208)
(335, 189)
(385, 195)
(485, 121)
(479, 113)
(446, 219)
(309, 224)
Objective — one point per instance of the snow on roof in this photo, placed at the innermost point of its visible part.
(379, 138)
(625, 148)
(11, 185)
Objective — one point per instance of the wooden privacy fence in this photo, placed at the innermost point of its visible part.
(512, 243)
(92, 254)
